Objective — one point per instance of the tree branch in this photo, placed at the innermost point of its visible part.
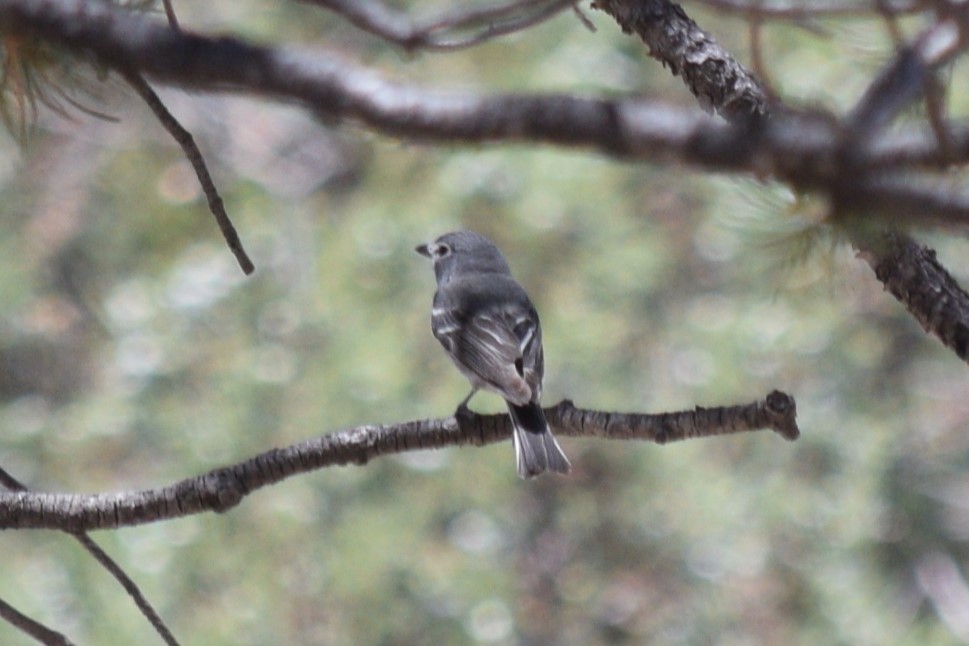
(439, 32)
(224, 488)
(109, 564)
(935, 299)
(805, 9)
(908, 270)
(715, 78)
(801, 148)
(35, 629)
(170, 14)
(184, 139)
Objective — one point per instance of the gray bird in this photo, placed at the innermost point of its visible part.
(491, 331)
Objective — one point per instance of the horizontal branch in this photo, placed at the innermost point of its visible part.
(222, 489)
(797, 147)
(339, 88)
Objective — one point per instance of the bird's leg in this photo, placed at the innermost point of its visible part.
(462, 410)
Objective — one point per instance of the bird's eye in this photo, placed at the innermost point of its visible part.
(442, 251)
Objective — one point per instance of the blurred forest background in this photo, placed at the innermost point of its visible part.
(133, 353)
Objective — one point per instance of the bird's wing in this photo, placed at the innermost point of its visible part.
(529, 334)
(487, 347)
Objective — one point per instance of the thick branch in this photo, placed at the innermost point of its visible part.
(798, 147)
(715, 77)
(224, 488)
(339, 88)
(802, 149)
(909, 271)
(913, 275)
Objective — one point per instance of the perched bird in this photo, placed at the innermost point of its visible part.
(490, 329)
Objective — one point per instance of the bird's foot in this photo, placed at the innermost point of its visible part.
(463, 414)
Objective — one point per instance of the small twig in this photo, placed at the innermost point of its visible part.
(194, 156)
(584, 19)
(475, 16)
(519, 23)
(935, 108)
(170, 14)
(438, 33)
(77, 105)
(800, 10)
(30, 626)
(129, 585)
(755, 28)
(11, 483)
(895, 88)
(35, 629)
(891, 22)
(906, 78)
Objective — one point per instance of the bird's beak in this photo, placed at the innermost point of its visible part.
(423, 250)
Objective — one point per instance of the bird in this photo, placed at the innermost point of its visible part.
(489, 328)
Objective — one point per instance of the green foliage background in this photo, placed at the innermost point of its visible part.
(134, 353)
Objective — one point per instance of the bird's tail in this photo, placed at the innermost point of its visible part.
(536, 450)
